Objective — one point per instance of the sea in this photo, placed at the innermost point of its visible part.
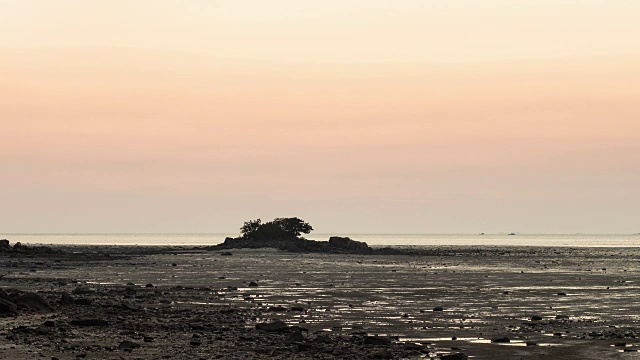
(565, 240)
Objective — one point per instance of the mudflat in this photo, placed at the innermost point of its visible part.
(126, 302)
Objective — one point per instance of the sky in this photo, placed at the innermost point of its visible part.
(404, 116)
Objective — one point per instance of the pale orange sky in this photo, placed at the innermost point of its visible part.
(358, 116)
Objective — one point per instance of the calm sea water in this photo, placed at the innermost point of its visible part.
(582, 240)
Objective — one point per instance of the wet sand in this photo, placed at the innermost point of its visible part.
(551, 303)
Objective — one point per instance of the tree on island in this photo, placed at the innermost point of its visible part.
(279, 228)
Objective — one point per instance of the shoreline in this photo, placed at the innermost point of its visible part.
(485, 294)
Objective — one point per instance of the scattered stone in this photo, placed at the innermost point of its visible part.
(128, 345)
(83, 290)
(382, 354)
(253, 283)
(438, 308)
(276, 326)
(454, 356)
(32, 300)
(536, 318)
(501, 340)
(89, 322)
(377, 340)
(67, 299)
(7, 307)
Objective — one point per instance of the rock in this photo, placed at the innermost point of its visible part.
(383, 354)
(7, 307)
(346, 244)
(67, 299)
(4, 295)
(128, 345)
(438, 308)
(562, 317)
(501, 340)
(83, 301)
(377, 340)
(148, 339)
(4, 244)
(296, 336)
(89, 322)
(297, 308)
(413, 346)
(277, 308)
(83, 290)
(253, 283)
(562, 294)
(226, 253)
(32, 301)
(195, 343)
(536, 318)
(149, 285)
(276, 326)
(454, 356)
(531, 343)
(49, 323)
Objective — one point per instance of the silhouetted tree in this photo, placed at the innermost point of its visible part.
(250, 227)
(293, 226)
(278, 229)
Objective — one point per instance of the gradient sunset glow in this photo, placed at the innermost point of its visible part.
(412, 116)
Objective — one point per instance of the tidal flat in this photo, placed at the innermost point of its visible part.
(136, 302)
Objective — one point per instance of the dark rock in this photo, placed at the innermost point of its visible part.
(128, 345)
(67, 299)
(7, 307)
(536, 318)
(501, 340)
(83, 290)
(277, 308)
(4, 295)
(414, 347)
(438, 308)
(89, 322)
(297, 308)
(195, 343)
(149, 285)
(377, 340)
(346, 244)
(83, 301)
(253, 283)
(296, 336)
(562, 294)
(32, 301)
(562, 317)
(49, 323)
(148, 339)
(383, 354)
(226, 253)
(455, 356)
(4, 244)
(276, 326)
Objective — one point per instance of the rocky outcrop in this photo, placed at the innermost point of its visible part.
(19, 248)
(336, 244)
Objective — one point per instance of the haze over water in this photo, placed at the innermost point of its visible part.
(575, 240)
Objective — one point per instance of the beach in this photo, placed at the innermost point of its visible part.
(140, 302)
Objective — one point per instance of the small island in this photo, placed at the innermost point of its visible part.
(285, 234)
